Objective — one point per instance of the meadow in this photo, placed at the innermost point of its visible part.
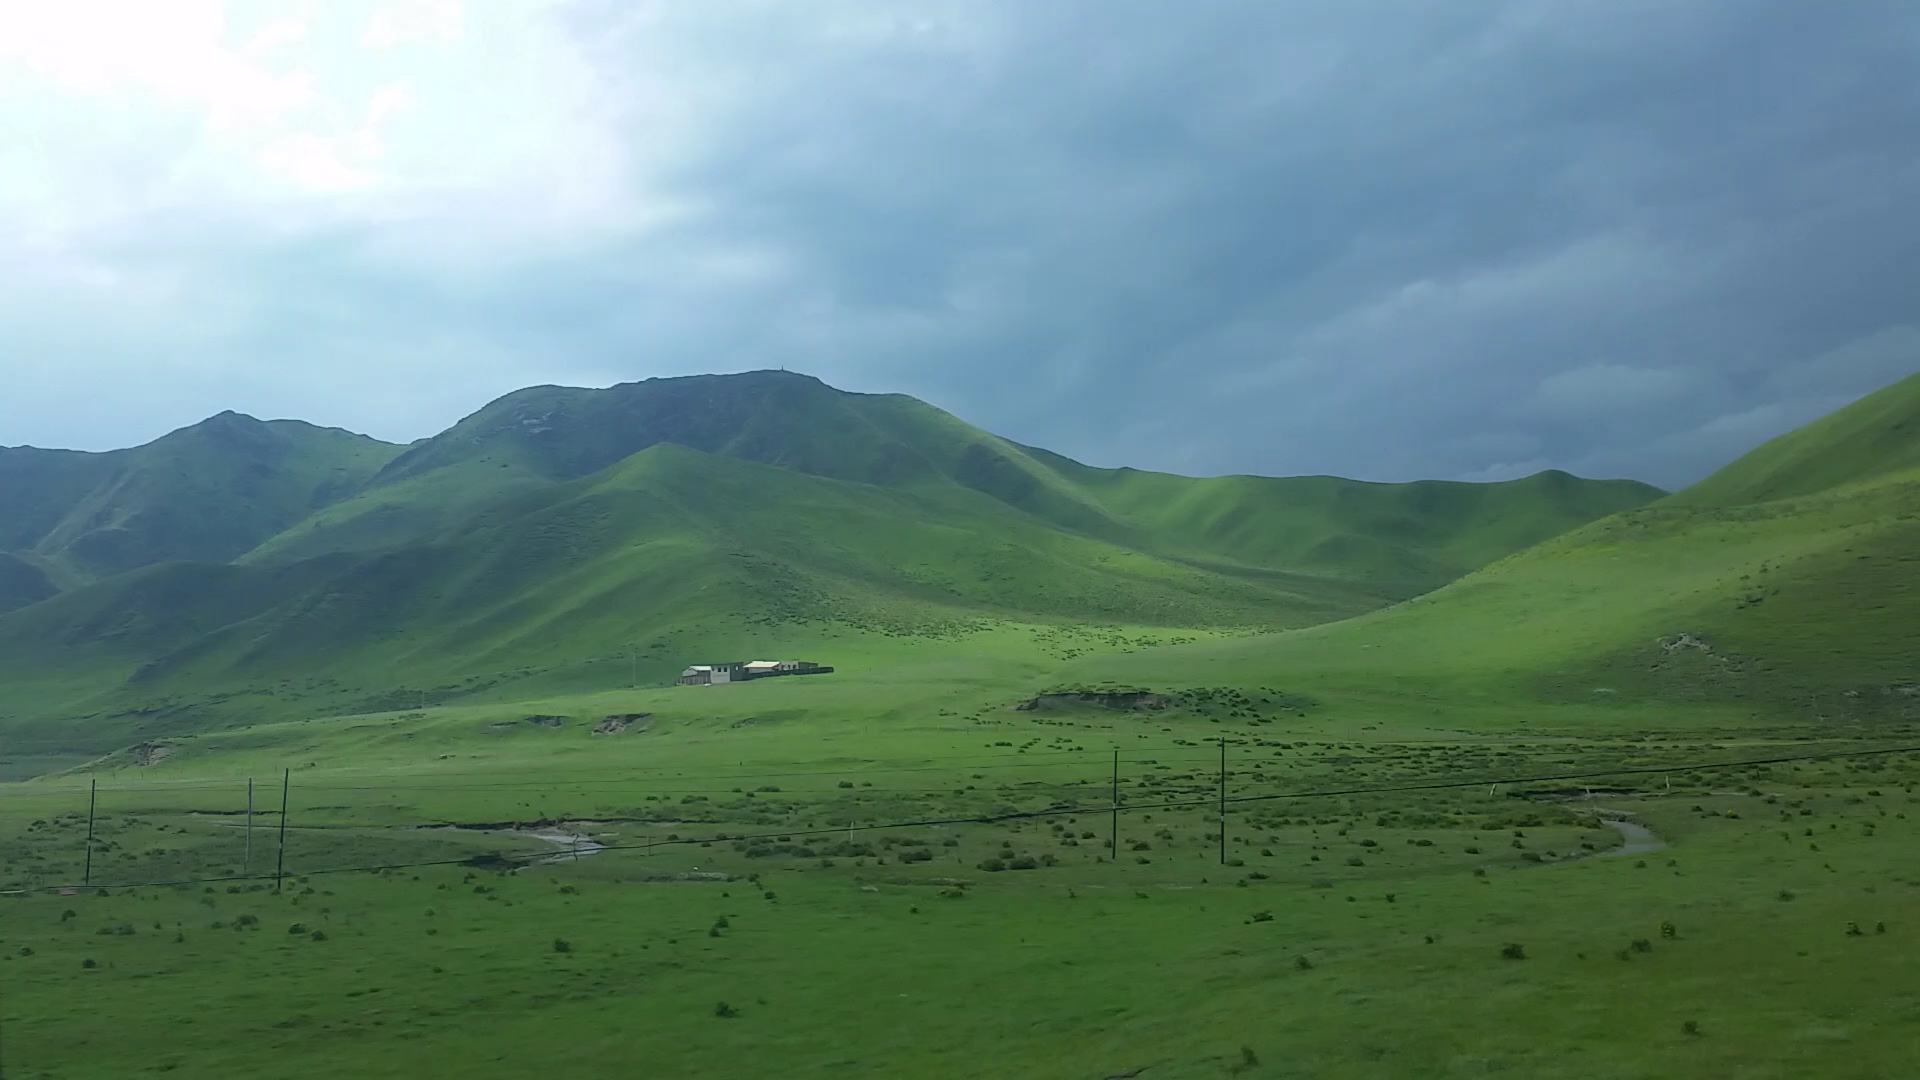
(749, 900)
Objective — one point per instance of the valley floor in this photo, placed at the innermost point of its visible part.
(1393, 901)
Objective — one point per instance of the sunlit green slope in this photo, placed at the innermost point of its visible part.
(1731, 596)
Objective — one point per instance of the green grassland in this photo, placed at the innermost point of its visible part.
(1365, 933)
(1434, 704)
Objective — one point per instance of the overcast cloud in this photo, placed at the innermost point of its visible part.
(1391, 239)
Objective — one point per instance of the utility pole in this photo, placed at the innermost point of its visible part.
(1115, 836)
(280, 863)
(1223, 800)
(248, 867)
(93, 793)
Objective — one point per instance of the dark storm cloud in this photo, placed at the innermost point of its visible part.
(1386, 239)
(1389, 240)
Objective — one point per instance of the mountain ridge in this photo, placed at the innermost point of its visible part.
(1781, 586)
(676, 517)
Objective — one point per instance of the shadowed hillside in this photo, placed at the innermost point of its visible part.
(206, 493)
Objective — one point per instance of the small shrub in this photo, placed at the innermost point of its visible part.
(1513, 951)
(993, 866)
(318, 935)
(89, 964)
(562, 945)
(1303, 963)
(1641, 945)
(1355, 860)
(1691, 1027)
(725, 1011)
(1262, 916)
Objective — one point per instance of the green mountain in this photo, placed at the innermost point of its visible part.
(1874, 438)
(1391, 540)
(559, 536)
(22, 582)
(206, 493)
(1785, 585)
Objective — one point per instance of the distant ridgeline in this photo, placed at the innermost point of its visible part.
(566, 540)
(712, 674)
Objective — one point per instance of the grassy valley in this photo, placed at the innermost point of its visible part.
(1550, 778)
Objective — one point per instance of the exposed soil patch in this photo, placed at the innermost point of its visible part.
(1130, 700)
(547, 721)
(1685, 641)
(619, 722)
(150, 753)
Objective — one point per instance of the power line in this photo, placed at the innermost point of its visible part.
(1023, 815)
(425, 781)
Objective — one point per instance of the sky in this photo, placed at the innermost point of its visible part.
(1391, 240)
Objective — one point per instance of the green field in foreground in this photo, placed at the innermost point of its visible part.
(747, 918)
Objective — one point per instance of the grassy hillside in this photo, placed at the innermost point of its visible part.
(22, 582)
(205, 493)
(672, 553)
(1875, 437)
(1388, 541)
(1796, 606)
(1402, 539)
(560, 538)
